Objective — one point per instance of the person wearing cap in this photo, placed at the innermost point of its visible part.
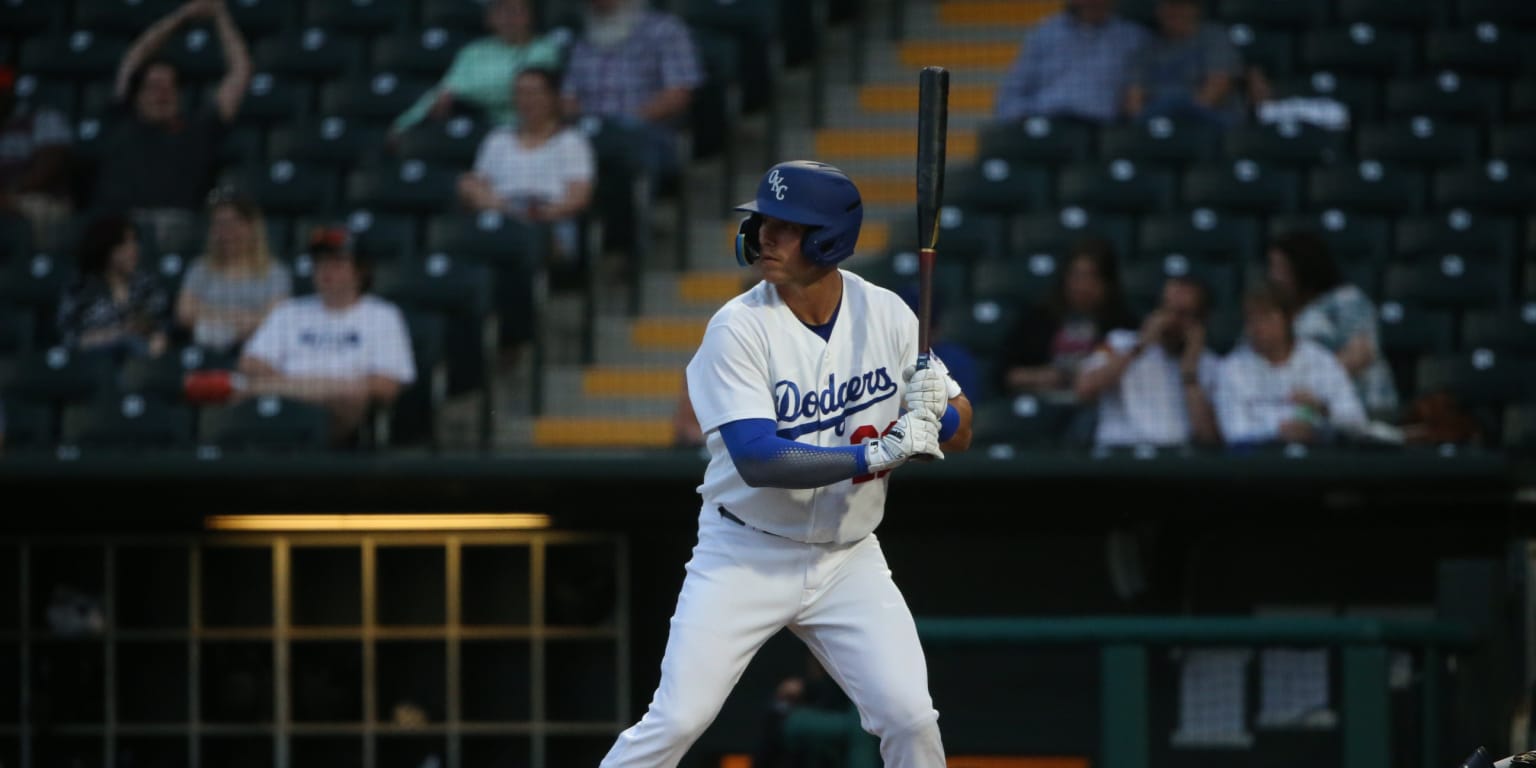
(236, 282)
(340, 346)
(36, 164)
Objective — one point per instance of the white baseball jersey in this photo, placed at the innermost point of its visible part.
(759, 361)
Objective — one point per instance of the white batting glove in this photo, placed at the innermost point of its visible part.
(927, 390)
(914, 433)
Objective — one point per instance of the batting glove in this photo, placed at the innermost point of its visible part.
(914, 433)
(927, 391)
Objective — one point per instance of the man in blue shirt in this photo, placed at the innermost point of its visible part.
(1073, 64)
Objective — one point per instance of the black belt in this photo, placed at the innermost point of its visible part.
(726, 513)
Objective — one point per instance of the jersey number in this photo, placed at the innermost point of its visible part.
(858, 436)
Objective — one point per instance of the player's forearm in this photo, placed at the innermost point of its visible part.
(765, 460)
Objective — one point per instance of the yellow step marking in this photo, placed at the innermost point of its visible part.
(959, 56)
(668, 332)
(996, 13)
(834, 143)
(602, 433)
(903, 98)
(631, 382)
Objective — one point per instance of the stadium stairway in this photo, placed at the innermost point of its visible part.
(627, 398)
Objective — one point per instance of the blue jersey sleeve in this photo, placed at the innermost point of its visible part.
(766, 460)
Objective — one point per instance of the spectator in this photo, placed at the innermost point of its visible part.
(1188, 70)
(1153, 387)
(236, 282)
(157, 162)
(341, 347)
(112, 307)
(1335, 314)
(541, 171)
(1073, 64)
(482, 72)
(1048, 344)
(1276, 386)
(637, 64)
(36, 164)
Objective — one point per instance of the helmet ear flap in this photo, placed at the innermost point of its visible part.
(748, 247)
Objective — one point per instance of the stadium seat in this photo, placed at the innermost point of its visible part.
(265, 424)
(1056, 231)
(454, 142)
(1292, 145)
(984, 323)
(162, 378)
(1271, 49)
(1037, 140)
(1479, 377)
(335, 142)
(1484, 48)
(463, 16)
(80, 55)
(262, 18)
(716, 104)
(373, 17)
(1445, 94)
(1358, 48)
(1419, 14)
(1520, 428)
(489, 238)
(621, 197)
(313, 52)
(196, 52)
(1514, 12)
(274, 100)
(1409, 330)
(1369, 186)
(1358, 93)
(1159, 141)
(409, 186)
(1116, 185)
(291, 187)
(1494, 186)
(377, 96)
(122, 17)
(1350, 236)
(1418, 141)
(35, 283)
(996, 185)
(1204, 234)
(1515, 142)
(425, 53)
(57, 93)
(1522, 98)
(412, 418)
(1450, 281)
(1030, 278)
(57, 376)
(127, 421)
(755, 29)
(1143, 281)
(1474, 235)
(966, 234)
(1512, 331)
(31, 18)
(18, 330)
(1295, 14)
(29, 427)
(15, 236)
(1023, 421)
(385, 237)
(1241, 186)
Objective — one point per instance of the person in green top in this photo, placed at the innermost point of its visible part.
(483, 70)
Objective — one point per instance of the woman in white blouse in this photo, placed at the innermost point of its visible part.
(542, 171)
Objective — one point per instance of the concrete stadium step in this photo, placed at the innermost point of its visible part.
(597, 432)
(993, 13)
(969, 98)
(832, 144)
(616, 346)
(992, 56)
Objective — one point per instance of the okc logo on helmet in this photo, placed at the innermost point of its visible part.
(777, 183)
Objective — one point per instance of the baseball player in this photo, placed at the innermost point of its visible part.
(807, 391)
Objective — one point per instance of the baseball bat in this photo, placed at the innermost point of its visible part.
(932, 131)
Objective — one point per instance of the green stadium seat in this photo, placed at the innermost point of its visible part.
(123, 17)
(80, 55)
(1292, 145)
(984, 323)
(1479, 377)
(57, 376)
(715, 105)
(1349, 235)
(18, 330)
(335, 142)
(1369, 186)
(1483, 48)
(621, 197)
(1143, 280)
(32, 18)
(425, 53)
(1450, 281)
(1241, 186)
(373, 17)
(35, 91)
(1056, 231)
(1203, 234)
(1271, 49)
(29, 427)
(385, 237)
(965, 234)
(1023, 421)
(1038, 140)
(755, 29)
(377, 96)
(1420, 14)
(161, 378)
(1159, 141)
(1494, 186)
(1515, 12)
(1520, 428)
(1409, 330)
(464, 16)
(1522, 98)
(409, 186)
(952, 285)
(274, 100)
(455, 141)
(996, 185)
(412, 418)
(1116, 185)
(1507, 331)
(262, 18)
(1420, 141)
(314, 53)
(1514, 142)
(265, 424)
(127, 422)
(36, 283)
(15, 236)
(489, 238)
(197, 54)
(1030, 278)
(291, 187)
(1447, 95)
(1295, 14)
(1359, 49)
(1359, 95)
(1475, 235)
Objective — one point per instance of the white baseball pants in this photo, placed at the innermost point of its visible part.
(742, 586)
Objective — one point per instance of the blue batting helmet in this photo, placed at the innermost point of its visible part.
(814, 194)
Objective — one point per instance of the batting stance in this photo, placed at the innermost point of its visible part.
(800, 385)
